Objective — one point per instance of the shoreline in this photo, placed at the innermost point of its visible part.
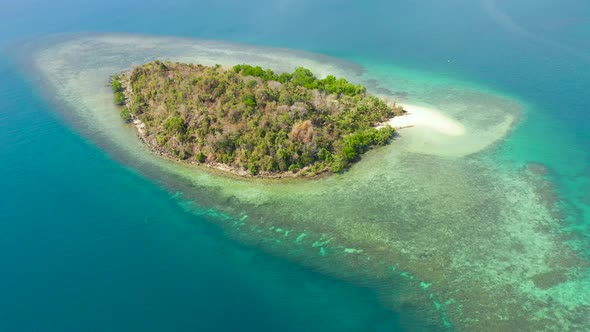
(415, 116)
(222, 168)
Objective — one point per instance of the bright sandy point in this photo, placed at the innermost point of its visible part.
(449, 130)
(427, 117)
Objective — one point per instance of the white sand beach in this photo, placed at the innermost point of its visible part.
(438, 131)
(421, 116)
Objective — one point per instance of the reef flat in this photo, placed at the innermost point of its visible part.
(434, 223)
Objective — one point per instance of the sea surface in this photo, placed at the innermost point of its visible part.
(92, 239)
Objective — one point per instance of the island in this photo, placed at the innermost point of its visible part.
(252, 121)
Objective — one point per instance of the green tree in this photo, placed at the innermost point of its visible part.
(119, 98)
(249, 100)
(125, 115)
(116, 85)
(175, 125)
(201, 157)
(304, 77)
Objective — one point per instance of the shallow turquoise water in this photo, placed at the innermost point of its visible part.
(79, 251)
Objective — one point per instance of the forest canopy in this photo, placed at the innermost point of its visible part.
(253, 119)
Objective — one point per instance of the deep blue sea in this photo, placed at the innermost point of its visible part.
(87, 244)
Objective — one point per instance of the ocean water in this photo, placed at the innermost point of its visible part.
(97, 237)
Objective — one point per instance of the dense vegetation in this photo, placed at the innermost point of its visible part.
(253, 119)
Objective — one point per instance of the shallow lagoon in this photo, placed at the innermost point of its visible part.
(437, 219)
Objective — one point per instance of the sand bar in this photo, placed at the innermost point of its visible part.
(421, 116)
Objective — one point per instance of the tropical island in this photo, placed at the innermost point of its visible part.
(252, 121)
